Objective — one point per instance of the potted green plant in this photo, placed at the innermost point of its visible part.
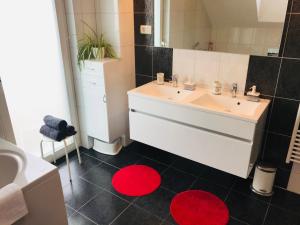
(93, 46)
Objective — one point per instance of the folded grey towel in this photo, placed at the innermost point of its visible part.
(52, 133)
(70, 131)
(56, 123)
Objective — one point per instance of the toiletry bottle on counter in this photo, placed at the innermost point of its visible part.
(160, 78)
(217, 87)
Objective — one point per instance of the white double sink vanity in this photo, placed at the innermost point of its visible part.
(216, 130)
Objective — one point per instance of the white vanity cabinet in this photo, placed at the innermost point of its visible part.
(225, 133)
(103, 89)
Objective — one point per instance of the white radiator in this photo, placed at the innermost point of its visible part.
(294, 149)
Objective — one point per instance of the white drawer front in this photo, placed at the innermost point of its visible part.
(194, 117)
(92, 80)
(221, 152)
(92, 67)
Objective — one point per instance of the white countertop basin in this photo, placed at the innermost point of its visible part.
(227, 104)
(202, 99)
(166, 92)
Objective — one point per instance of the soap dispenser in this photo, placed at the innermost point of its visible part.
(253, 95)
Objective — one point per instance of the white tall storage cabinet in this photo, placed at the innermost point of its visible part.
(104, 91)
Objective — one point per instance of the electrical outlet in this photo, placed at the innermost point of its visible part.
(146, 29)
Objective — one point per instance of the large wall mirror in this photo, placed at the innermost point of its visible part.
(236, 26)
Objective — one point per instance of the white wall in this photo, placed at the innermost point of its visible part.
(204, 67)
(114, 18)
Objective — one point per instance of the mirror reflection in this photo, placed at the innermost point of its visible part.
(235, 26)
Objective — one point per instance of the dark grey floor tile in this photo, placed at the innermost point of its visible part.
(233, 221)
(176, 180)
(136, 216)
(243, 186)
(104, 208)
(124, 158)
(79, 192)
(246, 209)
(158, 202)
(159, 167)
(219, 177)
(102, 176)
(69, 211)
(157, 154)
(169, 221)
(190, 166)
(205, 185)
(76, 168)
(278, 216)
(78, 219)
(91, 152)
(286, 200)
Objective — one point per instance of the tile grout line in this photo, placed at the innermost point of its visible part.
(130, 204)
(86, 217)
(229, 191)
(241, 221)
(265, 217)
(271, 109)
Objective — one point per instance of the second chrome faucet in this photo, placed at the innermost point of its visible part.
(234, 90)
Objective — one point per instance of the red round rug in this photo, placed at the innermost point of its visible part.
(197, 207)
(136, 180)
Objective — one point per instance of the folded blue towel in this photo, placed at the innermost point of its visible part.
(52, 133)
(56, 123)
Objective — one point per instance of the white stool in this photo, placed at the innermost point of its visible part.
(46, 139)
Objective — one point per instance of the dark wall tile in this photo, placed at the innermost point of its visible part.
(263, 72)
(282, 177)
(143, 60)
(283, 116)
(143, 19)
(292, 45)
(284, 34)
(142, 79)
(289, 6)
(289, 79)
(296, 6)
(276, 149)
(143, 6)
(163, 62)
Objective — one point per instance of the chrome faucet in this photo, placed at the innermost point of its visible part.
(175, 80)
(234, 90)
